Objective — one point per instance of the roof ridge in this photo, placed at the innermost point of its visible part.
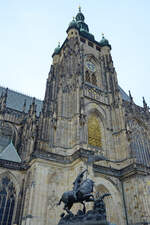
(21, 93)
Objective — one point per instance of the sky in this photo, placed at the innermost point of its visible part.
(31, 29)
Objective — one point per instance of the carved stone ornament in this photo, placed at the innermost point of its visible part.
(82, 119)
(52, 200)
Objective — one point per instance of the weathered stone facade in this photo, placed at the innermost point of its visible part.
(84, 112)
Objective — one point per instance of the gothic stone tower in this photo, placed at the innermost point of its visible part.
(84, 112)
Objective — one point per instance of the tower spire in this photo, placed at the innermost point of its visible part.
(80, 21)
(145, 104)
(24, 105)
(130, 96)
(79, 8)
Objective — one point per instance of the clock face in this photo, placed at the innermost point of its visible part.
(90, 66)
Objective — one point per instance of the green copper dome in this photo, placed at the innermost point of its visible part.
(80, 16)
(87, 35)
(72, 24)
(104, 42)
(80, 21)
(57, 49)
(83, 26)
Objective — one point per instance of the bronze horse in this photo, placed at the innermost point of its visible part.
(81, 193)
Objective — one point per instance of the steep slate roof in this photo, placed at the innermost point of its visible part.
(124, 95)
(10, 153)
(15, 100)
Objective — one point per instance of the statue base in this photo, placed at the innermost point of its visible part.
(90, 218)
(90, 223)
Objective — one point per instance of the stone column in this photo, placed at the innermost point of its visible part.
(37, 202)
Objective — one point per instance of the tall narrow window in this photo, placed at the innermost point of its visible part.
(87, 76)
(7, 201)
(94, 81)
(139, 142)
(94, 131)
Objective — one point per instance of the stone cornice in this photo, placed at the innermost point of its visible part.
(81, 153)
(13, 165)
(121, 174)
(126, 172)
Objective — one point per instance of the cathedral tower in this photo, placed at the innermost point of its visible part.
(82, 104)
(85, 121)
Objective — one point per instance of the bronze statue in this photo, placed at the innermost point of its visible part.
(99, 205)
(81, 193)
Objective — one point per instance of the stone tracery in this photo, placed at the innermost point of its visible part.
(7, 200)
(140, 143)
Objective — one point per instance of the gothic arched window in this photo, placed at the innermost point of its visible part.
(94, 131)
(90, 78)
(94, 81)
(87, 77)
(7, 201)
(139, 142)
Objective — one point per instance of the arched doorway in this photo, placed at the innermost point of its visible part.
(114, 205)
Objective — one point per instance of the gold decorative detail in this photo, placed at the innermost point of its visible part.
(94, 131)
(148, 183)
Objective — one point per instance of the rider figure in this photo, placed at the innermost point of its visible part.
(77, 183)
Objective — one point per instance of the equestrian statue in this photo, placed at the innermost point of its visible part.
(81, 193)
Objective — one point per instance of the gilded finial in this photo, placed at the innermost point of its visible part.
(79, 8)
(102, 35)
(59, 44)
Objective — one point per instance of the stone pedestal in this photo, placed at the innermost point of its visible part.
(90, 223)
(90, 218)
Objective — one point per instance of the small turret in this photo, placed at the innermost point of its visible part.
(73, 29)
(57, 50)
(72, 25)
(104, 42)
(56, 54)
(80, 16)
(80, 21)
